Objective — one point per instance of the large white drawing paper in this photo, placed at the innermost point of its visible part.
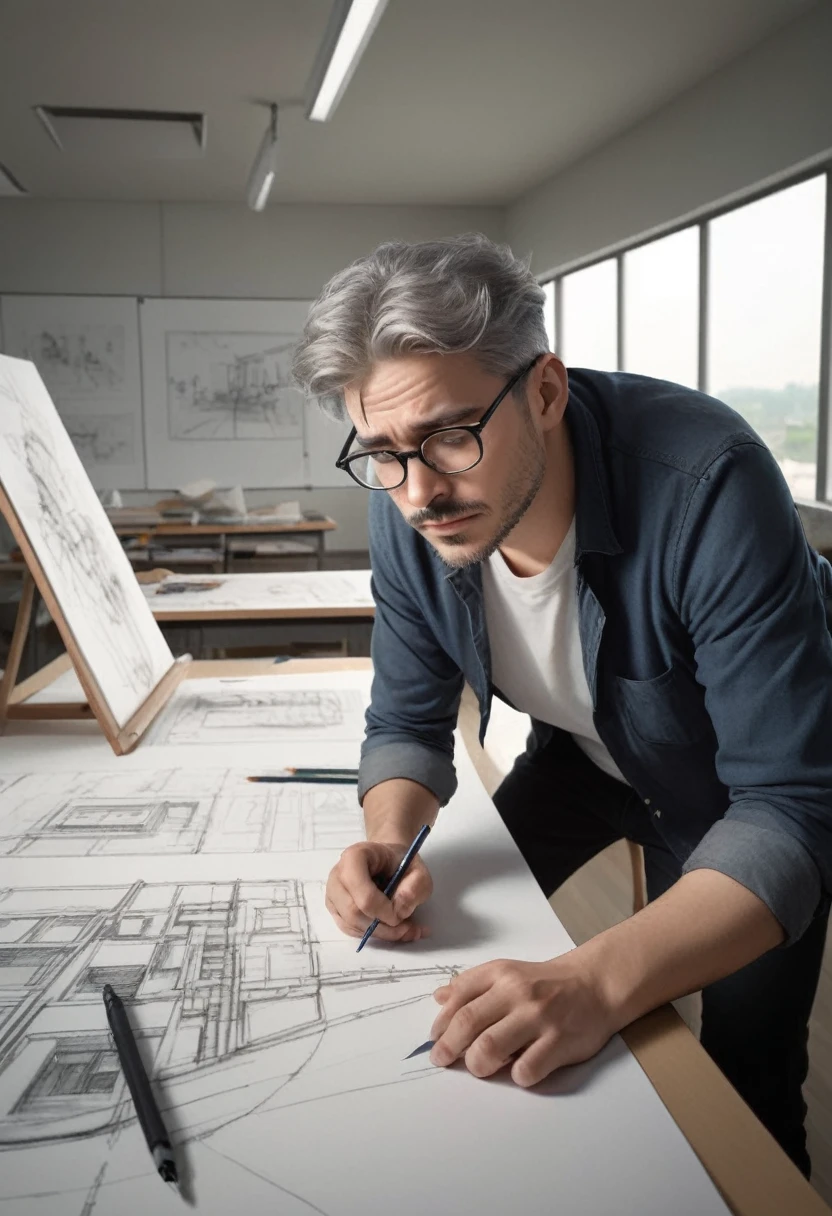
(279, 1055)
(219, 399)
(74, 542)
(86, 348)
(321, 591)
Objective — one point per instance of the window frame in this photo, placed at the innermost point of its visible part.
(702, 222)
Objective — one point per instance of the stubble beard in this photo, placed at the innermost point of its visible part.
(516, 500)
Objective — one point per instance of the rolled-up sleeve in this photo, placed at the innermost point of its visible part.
(750, 600)
(416, 685)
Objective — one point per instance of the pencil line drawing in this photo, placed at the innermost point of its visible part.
(315, 589)
(79, 360)
(102, 439)
(74, 542)
(257, 712)
(232, 386)
(169, 811)
(233, 997)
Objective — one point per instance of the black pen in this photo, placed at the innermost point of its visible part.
(396, 879)
(150, 1119)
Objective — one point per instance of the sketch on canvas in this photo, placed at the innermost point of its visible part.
(74, 542)
(169, 811)
(232, 386)
(258, 710)
(80, 360)
(102, 439)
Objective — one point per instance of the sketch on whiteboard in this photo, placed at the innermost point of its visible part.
(161, 812)
(102, 439)
(80, 555)
(257, 711)
(81, 360)
(232, 386)
(234, 996)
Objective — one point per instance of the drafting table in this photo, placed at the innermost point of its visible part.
(229, 610)
(753, 1176)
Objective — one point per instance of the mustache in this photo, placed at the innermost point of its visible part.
(445, 511)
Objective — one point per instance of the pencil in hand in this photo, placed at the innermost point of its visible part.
(404, 865)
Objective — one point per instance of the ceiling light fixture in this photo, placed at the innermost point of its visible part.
(264, 168)
(10, 187)
(350, 28)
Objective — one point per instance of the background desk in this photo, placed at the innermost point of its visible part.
(753, 1174)
(266, 610)
(224, 541)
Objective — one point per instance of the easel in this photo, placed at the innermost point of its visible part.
(122, 739)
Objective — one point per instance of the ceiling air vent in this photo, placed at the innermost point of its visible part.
(125, 134)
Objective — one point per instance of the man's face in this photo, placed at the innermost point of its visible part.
(465, 516)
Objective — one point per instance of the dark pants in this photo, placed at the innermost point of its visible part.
(561, 810)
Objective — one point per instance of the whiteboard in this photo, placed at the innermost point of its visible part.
(325, 438)
(86, 349)
(218, 397)
(79, 553)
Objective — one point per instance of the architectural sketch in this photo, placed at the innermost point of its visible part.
(233, 994)
(232, 386)
(293, 590)
(102, 439)
(259, 711)
(78, 360)
(75, 544)
(162, 812)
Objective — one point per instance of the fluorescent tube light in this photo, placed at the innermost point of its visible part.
(265, 166)
(349, 31)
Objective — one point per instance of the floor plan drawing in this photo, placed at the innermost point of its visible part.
(232, 386)
(258, 712)
(169, 811)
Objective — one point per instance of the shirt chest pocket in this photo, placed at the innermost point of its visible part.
(669, 709)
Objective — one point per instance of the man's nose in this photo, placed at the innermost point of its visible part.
(423, 484)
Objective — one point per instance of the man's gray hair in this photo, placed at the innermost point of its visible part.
(436, 297)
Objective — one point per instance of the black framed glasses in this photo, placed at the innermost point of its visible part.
(452, 449)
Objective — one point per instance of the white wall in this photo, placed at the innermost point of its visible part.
(746, 125)
(288, 251)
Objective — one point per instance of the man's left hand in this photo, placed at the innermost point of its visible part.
(541, 1016)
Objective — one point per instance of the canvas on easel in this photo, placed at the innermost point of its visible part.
(122, 660)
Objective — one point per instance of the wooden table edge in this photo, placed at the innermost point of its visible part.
(334, 615)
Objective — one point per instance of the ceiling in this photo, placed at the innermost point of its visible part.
(454, 101)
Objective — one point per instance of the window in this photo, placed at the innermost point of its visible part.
(764, 321)
(589, 322)
(549, 312)
(661, 308)
(77, 1069)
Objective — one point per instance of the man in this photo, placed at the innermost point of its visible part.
(620, 558)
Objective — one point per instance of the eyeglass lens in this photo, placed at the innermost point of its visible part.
(451, 451)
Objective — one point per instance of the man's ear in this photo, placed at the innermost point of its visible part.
(554, 389)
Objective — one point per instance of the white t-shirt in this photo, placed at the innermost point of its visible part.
(536, 658)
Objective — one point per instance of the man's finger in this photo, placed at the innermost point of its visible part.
(467, 1024)
(462, 989)
(540, 1058)
(499, 1044)
(414, 889)
(354, 874)
(353, 922)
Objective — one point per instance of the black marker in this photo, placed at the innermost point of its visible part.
(150, 1120)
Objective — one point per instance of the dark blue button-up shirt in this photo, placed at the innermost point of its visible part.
(704, 619)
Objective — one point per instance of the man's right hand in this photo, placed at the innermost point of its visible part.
(354, 899)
